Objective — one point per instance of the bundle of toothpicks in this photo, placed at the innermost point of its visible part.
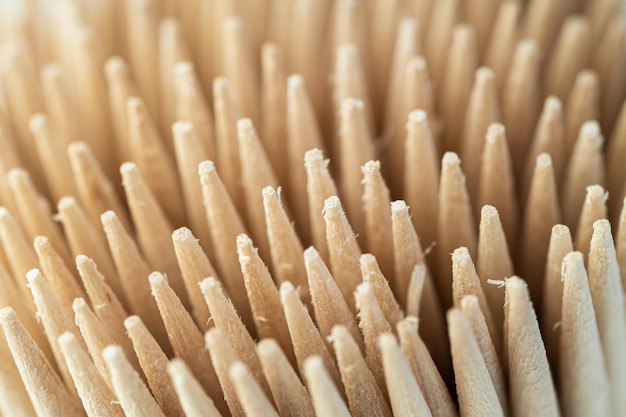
(312, 208)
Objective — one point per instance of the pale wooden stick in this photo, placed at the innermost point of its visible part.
(474, 387)
(456, 84)
(444, 15)
(549, 137)
(192, 397)
(408, 253)
(227, 112)
(55, 319)
(569, 56)
(320, 186)
(274, 104)
(144, 50)
(57, 273)
(560, 245)
(190, 151)
(502, 40)
(305, 337)
(356, 148)
(483, 109)
(35, 216)
(384, 24)
(191, 105)
(599, 14)
(328, 303)
(96, 337)
(256, 174)
(415, 290)
(184, 336)
(494, 260)
(223, 356)
(364, 396)
(481, 16)
(106, 305)
(153, 228)
(194, 266)
(424, 369)
(303, 134)
(531, 388)
(250, 394)
(14, 398)
(541, 23)
(465, 281)
(472, 311)
(326, 398)
(53, 158)
(133, 273)
(85, 239)
(377, 210)
(372, 323)
(536, 228)
(455, 221)
(418, 94)
(148, 151)
(585, 167)
(285, 246)
(121, 87)
(404, 392)
(225, 225)
(585, 386)
(607, 295)
(18, 251)
(269, 317)
(47, 392)
(153, 364)
(59, 106)
(343, 249)
(583, 105)
(594, 208)
(521, 99)
(421, 185)
(290, 396)
(380, 286)
(615, 158)
(239, 67)
(96, 191)
(497, 181)
(95, 394)
(621, 243)
(132, 393)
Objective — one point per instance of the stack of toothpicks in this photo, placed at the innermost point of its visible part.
(313, 208)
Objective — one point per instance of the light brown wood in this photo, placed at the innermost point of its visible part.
(532, 391)
(47, 392)
(326, 398)
(153, 228)
(377, 212)
(404, 392)
(474, 387)
(19, 253)
(192, 397)
(328, 303)
(372, 275)
(289, 395)
(583, 377)
(419, 93)
(594, 208)
(269, 317)
(285, 245)
(184, 336)
(250, 394)
(59, 106)
(585, 167)
(153, 363)
(501, 44)
(343, 248)
(120, 87)
(443, 17)
(583, 105)
(132, 393)
(455, 222)
(95, 394)
(607, 295)
(319, 186)
(621, 243)
(483, 109)
(14, 397)
(542, 22)
(615, 157)
(133, 271)
(225, 225)
(194, 267)
(424, 369)
(364, 396)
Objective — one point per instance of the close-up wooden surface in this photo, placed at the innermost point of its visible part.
(312, 208)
